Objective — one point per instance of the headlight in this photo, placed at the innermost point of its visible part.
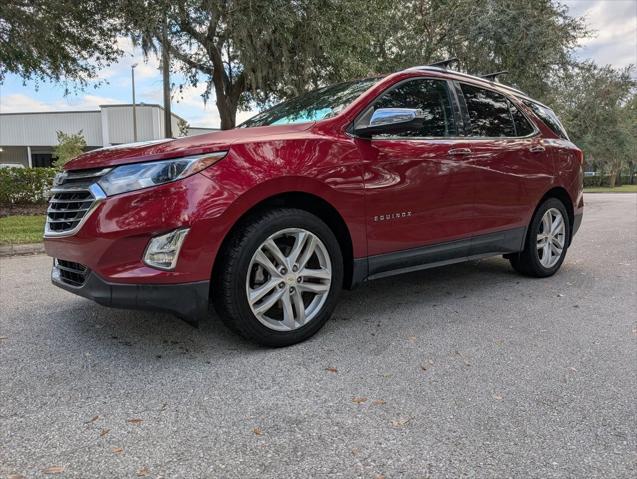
(143, 175)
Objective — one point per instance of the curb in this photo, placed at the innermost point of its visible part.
(21, 249)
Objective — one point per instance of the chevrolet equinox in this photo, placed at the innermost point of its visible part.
(347, 183)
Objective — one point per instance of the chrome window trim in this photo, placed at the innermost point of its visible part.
(468, 76)
(455, 138)
(98, 195)
(459, 117)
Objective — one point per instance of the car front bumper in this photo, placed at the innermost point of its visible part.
(188, 301)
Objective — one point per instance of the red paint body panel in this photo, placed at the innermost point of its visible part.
(434, 190)
(114, 238)
(496, 187)
(163, 150)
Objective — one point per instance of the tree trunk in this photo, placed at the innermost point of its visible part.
(612, 178)
(227, 113)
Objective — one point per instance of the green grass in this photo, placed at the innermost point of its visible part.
(606, 189)
(21, 229)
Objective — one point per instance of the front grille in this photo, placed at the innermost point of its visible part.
(73, 197)
(67, 209)
(71, 273)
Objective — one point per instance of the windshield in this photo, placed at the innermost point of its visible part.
(316, 105)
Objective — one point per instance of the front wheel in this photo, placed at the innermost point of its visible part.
(546, 242)
(280, 277)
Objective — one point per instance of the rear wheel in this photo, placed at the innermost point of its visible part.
(546, 242)
(279, 278)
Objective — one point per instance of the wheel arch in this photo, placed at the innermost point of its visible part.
(310, 202)
(561, 194)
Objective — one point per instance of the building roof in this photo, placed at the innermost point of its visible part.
(109, 125)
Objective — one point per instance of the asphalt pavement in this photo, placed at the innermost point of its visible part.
(463, 371)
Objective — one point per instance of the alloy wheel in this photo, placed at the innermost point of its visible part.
(289, 279)
(551, 238)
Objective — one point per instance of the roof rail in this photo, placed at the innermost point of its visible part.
(472, 77)
(494, 76)
(444, 63)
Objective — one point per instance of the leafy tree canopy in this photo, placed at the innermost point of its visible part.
(598, 108)
(531, 39)
(61, 40)
(254, 51)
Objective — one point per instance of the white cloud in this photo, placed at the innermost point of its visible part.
(614, 25)
(19, 102)
(86, 102)
(132, 54)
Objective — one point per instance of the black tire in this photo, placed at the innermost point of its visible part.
(229, 284)
(527, 262)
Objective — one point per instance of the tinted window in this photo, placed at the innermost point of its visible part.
(313, 106)
(488, 111)
(522, 125)
(430, 96)
(549, 117)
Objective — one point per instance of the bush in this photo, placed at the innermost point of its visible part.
(19, 186)
(597, 181)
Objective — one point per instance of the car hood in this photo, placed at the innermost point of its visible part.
(166, 149)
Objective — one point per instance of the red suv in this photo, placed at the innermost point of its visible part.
(345, 184)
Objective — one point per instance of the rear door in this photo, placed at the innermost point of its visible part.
(512, 169)
(419, 189)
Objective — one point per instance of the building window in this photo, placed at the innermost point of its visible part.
(42, 160)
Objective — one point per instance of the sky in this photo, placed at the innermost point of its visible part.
(614, 42)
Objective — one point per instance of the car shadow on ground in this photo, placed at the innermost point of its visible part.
(155, 335)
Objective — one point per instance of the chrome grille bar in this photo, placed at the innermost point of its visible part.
(70, 207)
(56, 200)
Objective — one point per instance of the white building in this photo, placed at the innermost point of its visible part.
(28, 139)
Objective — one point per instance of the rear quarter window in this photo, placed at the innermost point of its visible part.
(549, 118)
(522, 125)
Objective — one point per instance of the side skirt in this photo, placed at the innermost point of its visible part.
(389, 264)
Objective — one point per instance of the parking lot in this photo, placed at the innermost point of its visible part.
(462, 371)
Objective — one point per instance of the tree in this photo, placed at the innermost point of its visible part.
(69, 146)
(630, 124)
(60, 40)
(597, 106)
(250, 50)
(257, 51)
(182, 126)
(532, 40)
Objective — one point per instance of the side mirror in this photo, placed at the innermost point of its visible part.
(391, 120)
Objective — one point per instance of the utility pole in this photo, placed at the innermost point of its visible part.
(132, 72)
(165, 61)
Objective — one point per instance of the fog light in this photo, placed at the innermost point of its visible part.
(162, 251)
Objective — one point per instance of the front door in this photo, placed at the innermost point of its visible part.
(418, 184)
